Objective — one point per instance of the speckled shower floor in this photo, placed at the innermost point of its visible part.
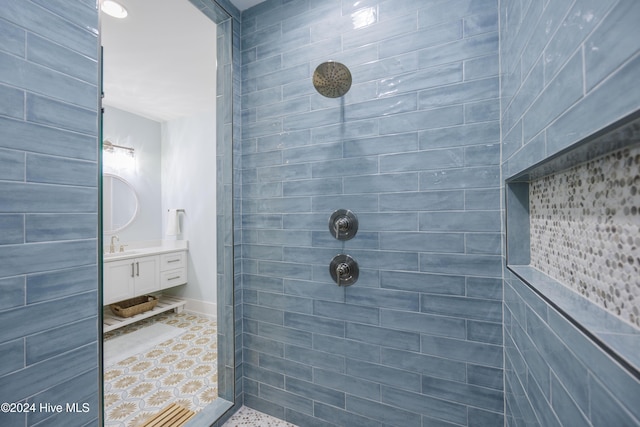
(247, 417)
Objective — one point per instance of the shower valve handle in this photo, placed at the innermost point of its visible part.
(341, 270)
(343, 224)
(344, 270)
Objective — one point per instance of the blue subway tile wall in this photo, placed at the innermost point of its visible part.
(49, 209)
(414, 150)
(561, 62)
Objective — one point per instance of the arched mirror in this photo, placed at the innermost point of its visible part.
(120, 203)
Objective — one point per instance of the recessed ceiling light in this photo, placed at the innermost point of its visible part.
(113, 8)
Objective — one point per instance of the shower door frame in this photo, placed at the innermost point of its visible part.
(225, 194)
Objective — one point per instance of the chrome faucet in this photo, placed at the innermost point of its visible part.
(112, 246)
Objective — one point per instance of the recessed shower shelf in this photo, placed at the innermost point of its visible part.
(552, 209)
(165, 303)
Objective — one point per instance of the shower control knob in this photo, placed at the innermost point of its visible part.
(343, 224)
(344, 270)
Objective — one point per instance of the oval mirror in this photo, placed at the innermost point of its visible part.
(120, 203)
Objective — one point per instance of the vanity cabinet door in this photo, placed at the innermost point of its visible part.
(147, 275)
(130, 278)
(118, 281)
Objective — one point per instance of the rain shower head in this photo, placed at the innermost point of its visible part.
(332, 79)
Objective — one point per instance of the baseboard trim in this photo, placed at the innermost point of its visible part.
(209, 309)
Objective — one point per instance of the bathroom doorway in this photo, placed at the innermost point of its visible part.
(166, 225)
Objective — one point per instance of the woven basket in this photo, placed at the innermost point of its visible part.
(133, 306)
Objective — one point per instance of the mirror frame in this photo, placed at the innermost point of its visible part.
(225, 197)
(135, 194)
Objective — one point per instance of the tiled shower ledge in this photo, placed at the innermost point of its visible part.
(613, 335)
(619, 339)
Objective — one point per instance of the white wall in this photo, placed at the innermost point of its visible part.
(175, 167)
(142, 134)
(189, 183)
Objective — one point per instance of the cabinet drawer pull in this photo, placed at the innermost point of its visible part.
(173, 278)
(174, 260)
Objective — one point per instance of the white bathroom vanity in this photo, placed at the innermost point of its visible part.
(143, 269)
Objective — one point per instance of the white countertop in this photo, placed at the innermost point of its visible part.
(146, 248)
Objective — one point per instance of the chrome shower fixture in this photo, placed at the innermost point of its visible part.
(343, 224)
(332, 79)
(344, 270)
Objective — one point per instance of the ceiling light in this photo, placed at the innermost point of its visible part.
(113, 8)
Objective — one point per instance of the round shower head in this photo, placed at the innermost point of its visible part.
(332, 79)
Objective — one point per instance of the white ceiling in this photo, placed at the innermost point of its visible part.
(152, 65)
(245, 4)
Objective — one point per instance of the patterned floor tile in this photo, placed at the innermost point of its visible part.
(181, 370)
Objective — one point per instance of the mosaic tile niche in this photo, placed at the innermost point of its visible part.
(585, 230)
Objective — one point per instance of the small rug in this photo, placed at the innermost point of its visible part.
(173, 415)
(137, 342)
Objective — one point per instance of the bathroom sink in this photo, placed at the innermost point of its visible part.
(120, 254)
